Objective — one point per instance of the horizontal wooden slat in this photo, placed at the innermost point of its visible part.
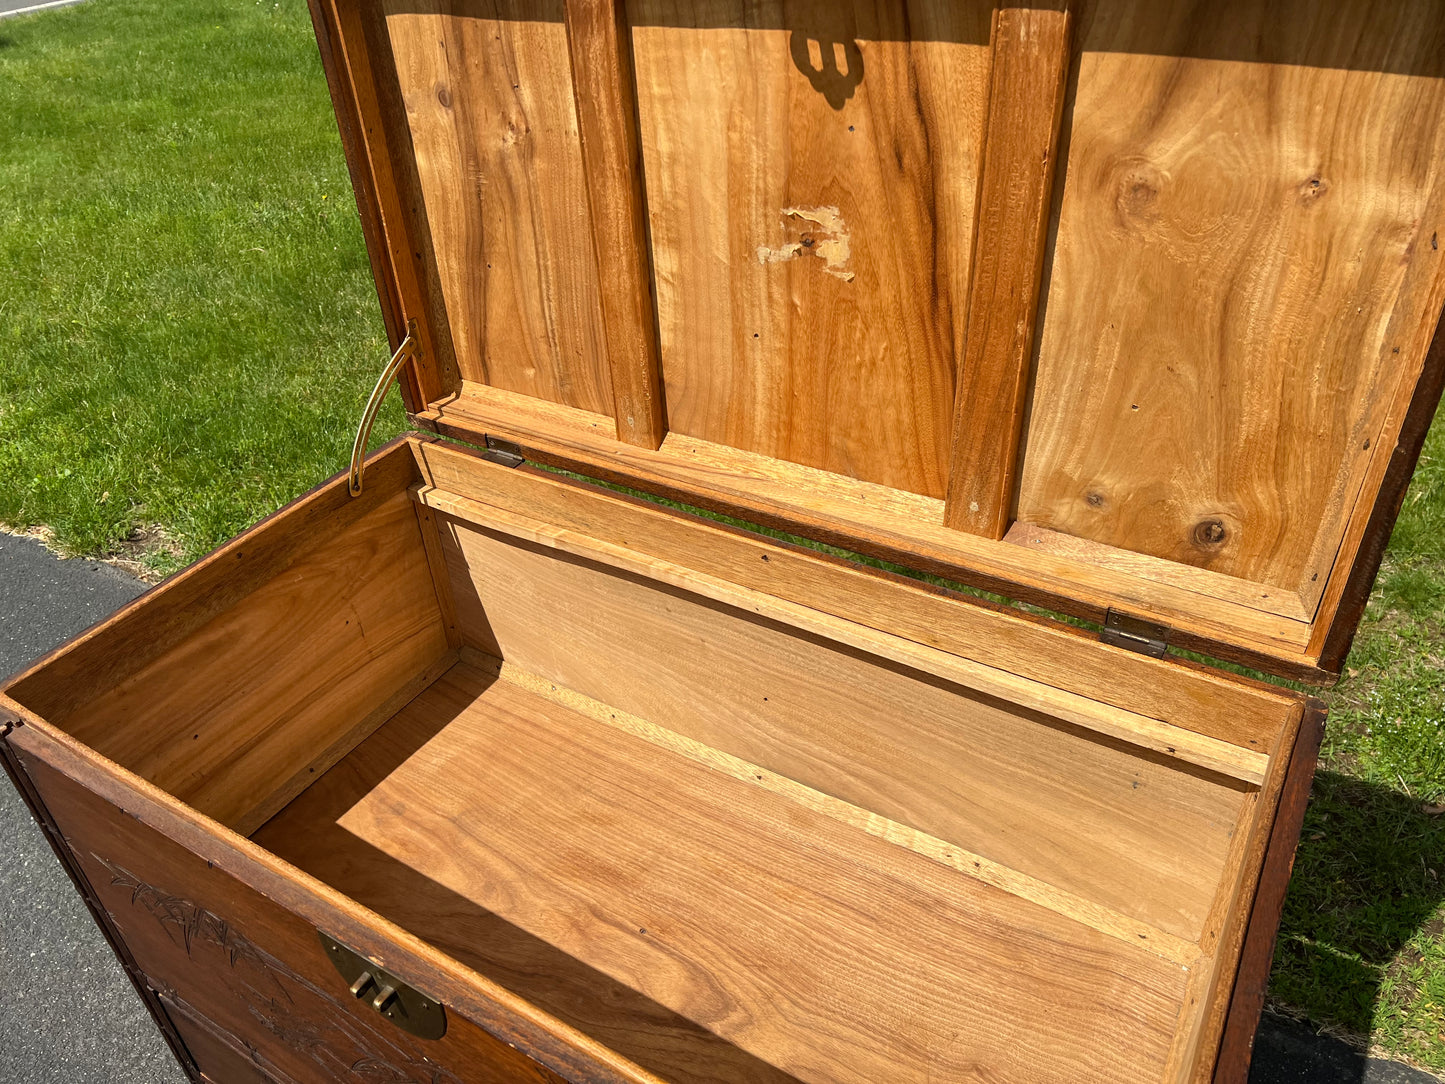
(1248, 714)
(874, 520)
(1213, 754)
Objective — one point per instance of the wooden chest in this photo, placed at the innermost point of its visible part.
(488, 772)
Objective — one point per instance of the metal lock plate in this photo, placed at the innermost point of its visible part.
(406, 1008)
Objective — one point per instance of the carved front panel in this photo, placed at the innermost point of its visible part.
(253, 974)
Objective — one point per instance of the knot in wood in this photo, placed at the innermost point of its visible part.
(1312, 189)
(1210, 532)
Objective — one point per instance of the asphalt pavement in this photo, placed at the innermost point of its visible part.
(24, 7)
(68, 1015)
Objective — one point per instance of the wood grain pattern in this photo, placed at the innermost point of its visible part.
(1249, 714)
(721, 902)
(155, 826)
(1280, 601)
(235, 719)
(1030, 65)
(880, 522)
(1210, 986)
(1244, 199)
(489, 106)
(1276, 295)
(398, 241)
(1382, 491)
(1179, 743)
(248, 966)
(810, 174)
(600, 49)
(1098, 819)
(1257, 956)
(1096, 916)
(167, 615)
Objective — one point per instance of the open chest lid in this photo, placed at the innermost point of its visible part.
(1121, 308)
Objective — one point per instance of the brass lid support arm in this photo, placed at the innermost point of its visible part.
(408, 350)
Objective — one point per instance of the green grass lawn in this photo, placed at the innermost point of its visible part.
(188, 330)
(188, 324)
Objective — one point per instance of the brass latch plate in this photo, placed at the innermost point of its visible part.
(405, 1007)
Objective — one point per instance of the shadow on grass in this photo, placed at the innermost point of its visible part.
(1361, 911)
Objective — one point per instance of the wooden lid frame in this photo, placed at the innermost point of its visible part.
(827, 277)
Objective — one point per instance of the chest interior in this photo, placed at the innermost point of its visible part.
(722, 832)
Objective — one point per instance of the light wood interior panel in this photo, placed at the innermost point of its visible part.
(1099, 819)
(241, 715)
(488, 92)
(1247, 714)
(662, 906)
(810, 176)
(1205, 611)
(1243, 196)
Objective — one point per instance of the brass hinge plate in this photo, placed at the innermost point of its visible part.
(1135, 634)
(408, 1009)
(502, 451)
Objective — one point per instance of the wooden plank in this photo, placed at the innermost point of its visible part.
(1368, 532)
(340, 81)
(1241, 239)
(674, 881)
(1210, 987)
(236, 718)
(247, 872)
(1257, 956)
(888, 524)
(810, 174)
(1104, 919)
(167, 615)
(1030, 69)
(1280, 601)
(978, 771)
(1212, 754)
(53, 835)
(1249, 714)
(487, 104)
(398, 240)
(600, 50)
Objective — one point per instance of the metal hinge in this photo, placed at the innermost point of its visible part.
(410, 348)
(1134, 633)
(502, 451)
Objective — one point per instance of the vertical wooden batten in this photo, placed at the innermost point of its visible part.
(600, 52)
(396, 237)
(1031, 55)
